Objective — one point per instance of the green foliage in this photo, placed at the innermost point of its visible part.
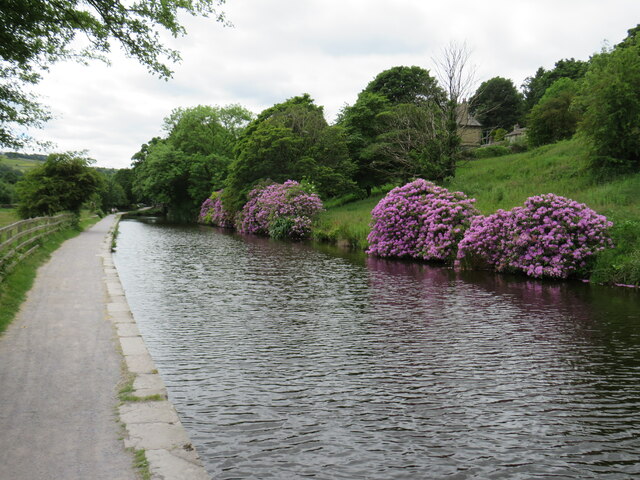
(552, 118)
(610, 100)
(410, 144)
(37, 33)
(400, 127)
(124, 178)
(622, 264)
(497, 104)
(362, 124)
(290, 141)
(64, 182)
(498, 134)
(182, 169)
(406, 85)
(111, 195)
(535, 87)
(6, 193)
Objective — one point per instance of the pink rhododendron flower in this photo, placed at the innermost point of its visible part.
(550, 236)
(280, 211)
(420, 220)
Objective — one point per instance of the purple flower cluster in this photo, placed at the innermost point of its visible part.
(280, 211)
(420, 220)
(550, 236)
(212, 212)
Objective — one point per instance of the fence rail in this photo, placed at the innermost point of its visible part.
(22, 238)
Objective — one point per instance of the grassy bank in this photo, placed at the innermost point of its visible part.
(14, 288)
(504, 182)
(8, 216)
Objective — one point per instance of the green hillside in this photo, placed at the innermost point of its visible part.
(504, 182)
(23, 164)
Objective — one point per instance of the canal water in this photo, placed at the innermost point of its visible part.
(286, 361)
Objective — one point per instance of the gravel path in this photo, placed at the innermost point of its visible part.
(59, 370)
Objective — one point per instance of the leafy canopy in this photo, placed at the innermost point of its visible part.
(497, 104)
(34, 34)
(610, 100)
(552, 118)
(183, 168)
(64, 182)
(290, 141)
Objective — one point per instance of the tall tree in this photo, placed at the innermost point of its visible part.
(610, 99)
(35, 34)
(457, 78)
(497, 104)
(406, 85)
(552, 118)
(182, 169)
(535, 87)
(290, 141)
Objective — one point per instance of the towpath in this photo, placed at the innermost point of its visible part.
(59, 371)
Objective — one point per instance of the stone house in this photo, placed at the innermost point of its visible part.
(517, 133)
(469, 129)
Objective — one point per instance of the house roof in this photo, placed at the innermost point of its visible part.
(465, 119)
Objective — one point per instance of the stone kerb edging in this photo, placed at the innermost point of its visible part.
(151, 422)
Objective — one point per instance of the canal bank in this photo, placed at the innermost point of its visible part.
(61, 364)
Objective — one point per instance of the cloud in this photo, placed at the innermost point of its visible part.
(330, 49)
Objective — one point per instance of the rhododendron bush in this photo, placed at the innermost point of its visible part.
(212, 212)
(420, 220)
(551, 236)
(279, 211)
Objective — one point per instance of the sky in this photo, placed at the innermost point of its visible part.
(330, 49)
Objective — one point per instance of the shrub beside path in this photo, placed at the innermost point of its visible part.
(60, 367)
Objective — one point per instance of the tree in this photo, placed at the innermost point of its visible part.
(412, 143)
(406, 85)
(64, 182)
(497, 104)
(290, 141)
(35, 34)
(362, 124)
(124, 178)
(552, 118)
(163, 177)
(457, 78)
(182, 169)
(610, 100)
(111, 194)
(632, 38)
(535, 87)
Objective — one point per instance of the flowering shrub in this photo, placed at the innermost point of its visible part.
(420, 220)
(280, 211)
(551, 236)
(212, 212)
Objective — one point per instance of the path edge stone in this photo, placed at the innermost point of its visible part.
(150, 420)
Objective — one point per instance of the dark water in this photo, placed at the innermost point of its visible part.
(288, 362)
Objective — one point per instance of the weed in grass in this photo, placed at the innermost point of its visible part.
(141, 464)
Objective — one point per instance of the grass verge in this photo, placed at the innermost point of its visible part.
(14, 288)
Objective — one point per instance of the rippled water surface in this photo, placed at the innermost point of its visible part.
(286, 362)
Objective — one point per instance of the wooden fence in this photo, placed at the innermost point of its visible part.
(21, 239)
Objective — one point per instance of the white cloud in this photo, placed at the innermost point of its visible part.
(329, 49)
